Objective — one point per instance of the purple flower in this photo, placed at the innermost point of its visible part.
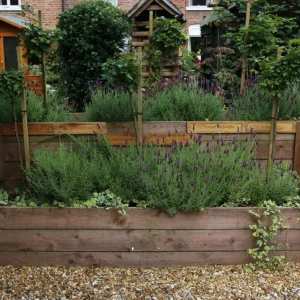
(244, 164)
(195, 167)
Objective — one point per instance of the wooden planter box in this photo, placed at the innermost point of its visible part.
(142, 238)
(287, 145)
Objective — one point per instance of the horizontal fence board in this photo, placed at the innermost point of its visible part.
(283, 149)
(205, 137)
(127, 240)
(135, 218)
(239, 126)
(57, 128)
(12, 171)
(131, 259)
(137, 240)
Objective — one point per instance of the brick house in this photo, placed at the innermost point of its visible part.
(194, 11)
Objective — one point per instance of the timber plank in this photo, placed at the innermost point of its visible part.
(58, 128)
(264, 126)
(126, 240)
(140, 33)
(12, 171)
(283, 149)
(131, 259)
(1, 156)
(135, 218)
(215, 127)
(296, 163)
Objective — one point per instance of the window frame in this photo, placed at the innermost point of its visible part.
(198, 7)
(10, 7)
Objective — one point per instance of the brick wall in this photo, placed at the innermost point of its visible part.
(52, 8)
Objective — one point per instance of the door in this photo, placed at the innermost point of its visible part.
(8, 52)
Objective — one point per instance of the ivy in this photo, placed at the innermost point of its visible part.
(265, 235)
(168, 36)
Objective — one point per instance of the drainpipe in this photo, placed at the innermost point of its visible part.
(62, 5)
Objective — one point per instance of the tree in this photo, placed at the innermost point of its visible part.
(91, 32)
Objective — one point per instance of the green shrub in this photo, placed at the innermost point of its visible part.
(174, 103)
(109, 106)
(64, 175)
(256, 104)
(91, 32)
(189, 176)
(178, 103)
(56, 110)
(194, 176)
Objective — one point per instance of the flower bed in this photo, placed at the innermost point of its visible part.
(51, 134)
(141, 238)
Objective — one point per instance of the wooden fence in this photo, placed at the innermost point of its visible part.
(287, 145)
(141, 238)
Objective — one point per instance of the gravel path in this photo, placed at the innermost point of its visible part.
(205, 282)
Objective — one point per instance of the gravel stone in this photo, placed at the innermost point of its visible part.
(188, 283)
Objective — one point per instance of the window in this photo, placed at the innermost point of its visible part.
(198, 5)
(113, 2)
(194, 38)
(10, 4)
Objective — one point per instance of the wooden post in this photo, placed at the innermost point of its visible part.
(275, 112)
(297, 149)
(44, 87)
(150, 52)
(1, 156)
(140, 100)
(24, 117)
(244, 62)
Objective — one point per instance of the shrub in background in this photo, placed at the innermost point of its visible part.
(256, 104)
(172, 103)
(91, 32)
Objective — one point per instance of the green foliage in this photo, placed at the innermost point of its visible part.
(168, 35)
(55, 111)
(265, 235)
(180, 103)
(172, 103)
(261, 39)
(91, 32)
(122, 71)
(189, 61)
(65, 175)
(195, 175)
(190, 176)
(3, 197)
(277, 74)
(11, 86)
(36, 40)
(109, 200)
(108, 106)
(244, 107)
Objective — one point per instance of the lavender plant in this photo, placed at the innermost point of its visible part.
(196, 174)
(255, 104)
(172, 102)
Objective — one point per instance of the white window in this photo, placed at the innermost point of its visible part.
(10, 4)
(198, 5)
(113, 2)
(194, 38)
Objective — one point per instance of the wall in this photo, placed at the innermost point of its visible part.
(52, 8)
(141, 238)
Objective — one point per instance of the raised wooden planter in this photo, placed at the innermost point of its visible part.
(142, 238)
(287, 145)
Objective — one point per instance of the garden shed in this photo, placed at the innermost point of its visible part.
(10, 27)
(142, 16)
